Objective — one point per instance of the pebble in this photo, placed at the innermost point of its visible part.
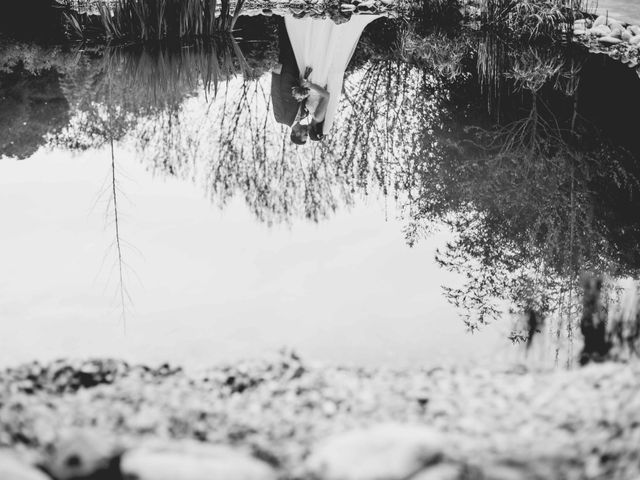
(11, 468)
(80, 453)
(383, 452)
(635, 40)
(192, 461)
(347, 6)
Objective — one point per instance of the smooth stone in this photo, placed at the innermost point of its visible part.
(192, 461)
(601, 20)
(626, 36)
(609, 40)
(383, 452)
(616, 26)
(444, 471)
(600, 30)
(613, 21)
(367, 4)
(616, 32)
(347, 6)
(635, 29)
(635, 40)
(80, 454)
(11, 468)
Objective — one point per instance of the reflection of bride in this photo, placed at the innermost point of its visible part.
(326, 49)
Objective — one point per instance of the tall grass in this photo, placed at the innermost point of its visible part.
(155, 20)
(533, 19)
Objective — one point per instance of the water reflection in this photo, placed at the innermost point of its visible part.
(513, 150)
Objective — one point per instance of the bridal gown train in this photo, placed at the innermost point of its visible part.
(327, 48)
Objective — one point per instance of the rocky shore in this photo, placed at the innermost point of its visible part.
(610, 36)
(281, 418)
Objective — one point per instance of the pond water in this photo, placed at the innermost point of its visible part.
(155, 208)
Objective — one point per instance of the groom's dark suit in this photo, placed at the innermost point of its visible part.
(285, 107)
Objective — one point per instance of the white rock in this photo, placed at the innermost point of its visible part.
(347, 6)
(635, 29)
(626, 36)
(609, 40)
(613, 21)
(192, 461)
(383, 452)
(13, 469)
(635, 40)
(616, 32)
(601, 20)
(600, 31)
(366, 4)
(444, 471)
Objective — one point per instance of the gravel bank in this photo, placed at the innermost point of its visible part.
(563, 424)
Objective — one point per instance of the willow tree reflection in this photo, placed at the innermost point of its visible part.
(531, 190)
(532, 197)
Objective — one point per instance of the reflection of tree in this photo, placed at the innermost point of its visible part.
(533, 193)
(525, 198)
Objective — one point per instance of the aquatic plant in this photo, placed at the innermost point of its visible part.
(155, 20)
(532, 19)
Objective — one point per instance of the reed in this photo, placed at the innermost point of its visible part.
(533, 19)
(140, 21)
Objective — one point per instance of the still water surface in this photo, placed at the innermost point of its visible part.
(154, 208)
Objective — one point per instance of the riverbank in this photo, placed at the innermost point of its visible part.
(291, 418)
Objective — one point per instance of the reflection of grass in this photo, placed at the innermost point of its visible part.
(130, 84)
(437, 52)
(149, 20)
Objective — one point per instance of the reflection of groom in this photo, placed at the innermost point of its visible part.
(284, 77)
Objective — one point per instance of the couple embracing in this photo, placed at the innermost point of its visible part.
(307, 83)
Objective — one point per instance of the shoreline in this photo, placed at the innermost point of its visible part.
(283, 410)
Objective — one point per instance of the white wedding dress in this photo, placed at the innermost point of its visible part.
(327, 48)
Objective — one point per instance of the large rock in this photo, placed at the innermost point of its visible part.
(192, 461)
(384, 452)
(609, 40)
(600, 30)
(444, 471)
(11, 468)
(601, 20)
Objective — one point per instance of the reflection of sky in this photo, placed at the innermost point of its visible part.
(210, 285)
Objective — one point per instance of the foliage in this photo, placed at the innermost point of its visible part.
(532, 19)
(155, 20)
